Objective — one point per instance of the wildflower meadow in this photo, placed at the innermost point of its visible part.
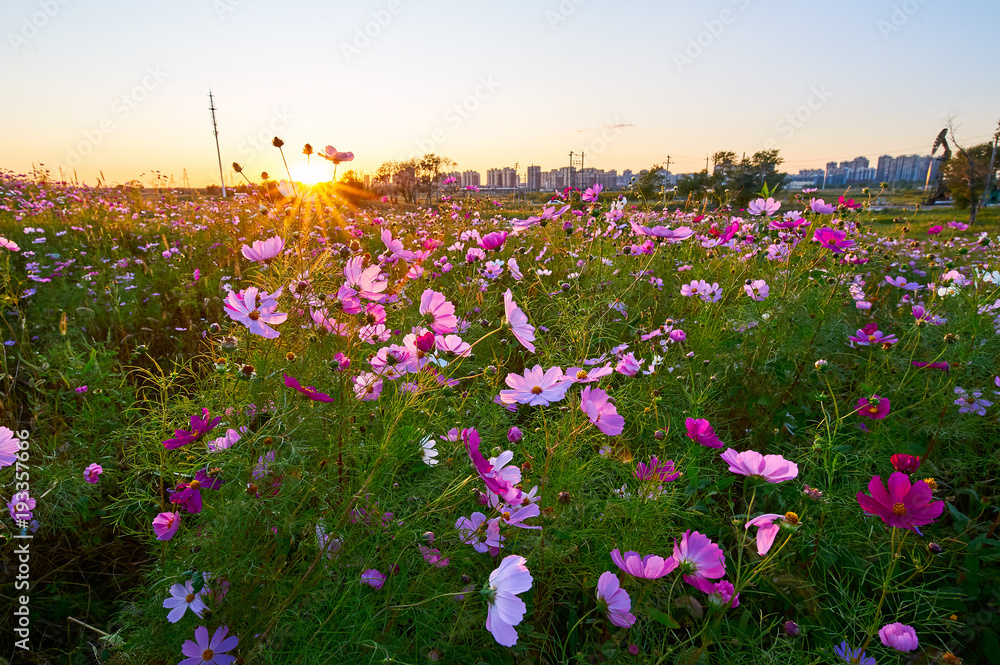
(307, 426)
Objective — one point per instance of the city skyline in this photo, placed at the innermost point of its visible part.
(484, 85)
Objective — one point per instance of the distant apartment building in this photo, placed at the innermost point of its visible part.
(589, 177)
(534, 178)
(494, 178)
(470, 179)
(905, 168)
(504, 178)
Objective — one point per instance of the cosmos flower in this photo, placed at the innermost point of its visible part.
(772, 468)
(373, 578)
(649, 567)
(439, 311)
(761, 206)
(853, 656)
(870, 335)
(165, 525)
(832, 239)
(506, 610)
(9, 445)
(700, 431)
(899, 637)
(971, 401)
(227, 440)
(365, 282)
(722, 596)
(757, 289)
(494, 240)
(767, 530)
(523, 331)
(905, 463)
(482, 533)
(205, 651)
(904, 505)
(672, 235)
(367, 386)
(188, 494)
(91, 473)
(9, 245)
(822, 207)
(874, 408)
(264, 250)
(182, 598)
(428, 451)
(602, 413)
(663, 473)
(310, 392)
(614, 600)
(200, 426)
(699, 560)
(255, 317)
(536, 387)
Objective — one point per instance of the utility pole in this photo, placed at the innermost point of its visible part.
(989, 173)
(218, 152)
(570, 172)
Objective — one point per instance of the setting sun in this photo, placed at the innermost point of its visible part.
(312, 173)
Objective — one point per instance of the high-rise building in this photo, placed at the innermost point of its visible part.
(510, 179)
(471, 179)
(494, 178)
(534, 178)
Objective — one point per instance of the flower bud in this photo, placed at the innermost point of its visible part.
(514, 435)
(791, 629)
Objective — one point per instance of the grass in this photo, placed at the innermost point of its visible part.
(114, 305)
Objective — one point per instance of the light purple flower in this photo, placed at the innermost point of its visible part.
(772, 468)
(205, 651)
(506, 610)
(610, 593)
(899, 636)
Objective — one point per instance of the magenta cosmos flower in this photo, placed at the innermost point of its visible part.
(903, 506)
(373, 578)
(615, 600)
(309, 391)
(254, 316)
(700, 431)
(439, 312)
(649, 567)
(188, 494)
(523, 331)
(494, 481)
(772, 468)
(898, 636)
(834, 240)
(9, 445)
(494, 240)
(205, 651)
(264, 250)
(905, 463)
(594, 402)
(699, 560)
(875, 408)
(536, 387)
(506, 610)
(200, 426)
(91, 473)
(663, 473)
(165, 525)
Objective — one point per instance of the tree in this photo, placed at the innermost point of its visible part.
(741, 181)
(694, 186)
(430, 172)
(649, 183)
(966, 174)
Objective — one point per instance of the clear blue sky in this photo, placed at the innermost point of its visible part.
(121, 86)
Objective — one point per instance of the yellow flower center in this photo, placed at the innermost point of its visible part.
(189, 598)
(871, 338)
(931, 483)
(873, 409)
(208, 655)
(898, 509)
(254, 315)
(537, 390)
(194, 484)
(791, 518)
(581, 375)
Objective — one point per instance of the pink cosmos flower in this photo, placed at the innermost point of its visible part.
(615, 600)
(264, 250)
(834, 240)
(227, 440)
(628, 365)
(934, 230)
(757, 289)
(395, 247)
(91, 473)
(899, 637)
(494, 240)
(9, 245)
(482, 533)
(722, 597)
(699, 560)
(903, 506)
(367, 386)
(523, 331)
(310, 392)
(495, 482)
(594, 402)
(453, 345)
(762, 206)
(958, 225)
(365, 280)
(700, 431)
(772, 468)
(663, 473)
(433, 557)
(591, 193)
(671, 235)
(767, 530)
(331, 154)
(255, 317)
(580, 375)
(822, 207)
(506, 610)
(183, 597)
(9, 445)
(165, 525)
(373, 578)
(649, 567)
(205, 651)
(440, 311)
(870, 335)
(536, 387)
(875, 408)
(904, 463)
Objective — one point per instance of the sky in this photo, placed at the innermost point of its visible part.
(121, 87)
